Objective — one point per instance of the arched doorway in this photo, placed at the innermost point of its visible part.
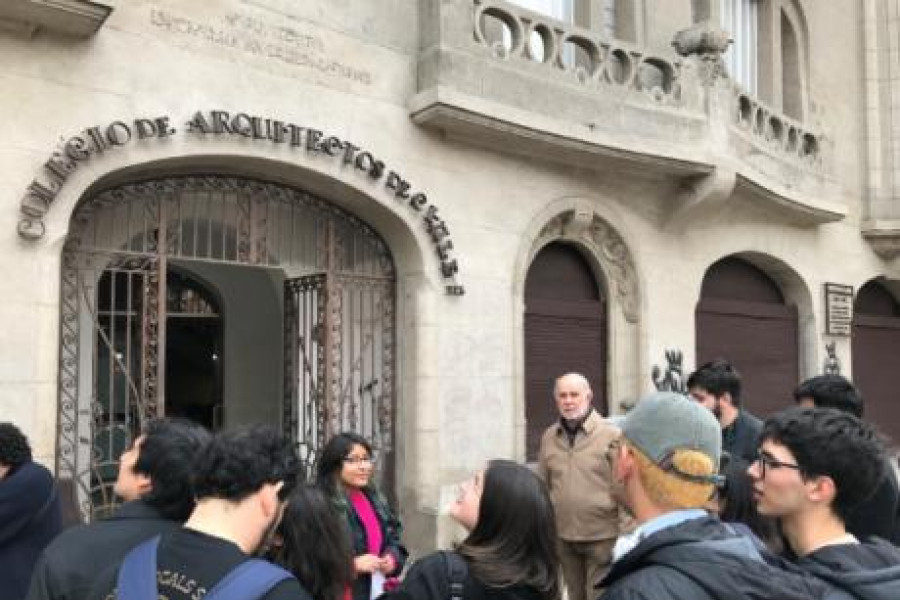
(194, 351)
(150, 268)
(743, 317)
(875, 344)
(565, 331)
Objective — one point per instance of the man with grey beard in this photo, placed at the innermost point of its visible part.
(572, 462)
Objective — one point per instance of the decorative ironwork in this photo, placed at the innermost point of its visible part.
(673, 379)
(101, 403)
(339, 312)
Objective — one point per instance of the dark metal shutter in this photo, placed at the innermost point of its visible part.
(760, 340)
(876, 357)
(565, 331)
(743, 318)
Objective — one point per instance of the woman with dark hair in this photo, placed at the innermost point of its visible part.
(312, 543)
(736, 507)
(510, 552)
(345, 474)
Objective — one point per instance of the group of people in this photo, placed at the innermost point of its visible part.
(682, 498)
(692, 497)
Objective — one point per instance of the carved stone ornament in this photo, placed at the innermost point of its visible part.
(585, 226)
(832, 362)
(704, 44)
(673, 378)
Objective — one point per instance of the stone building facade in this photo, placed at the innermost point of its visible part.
(405, 216)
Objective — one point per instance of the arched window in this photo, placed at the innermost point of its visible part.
(876, 355)
(743, 317)
(565, 331)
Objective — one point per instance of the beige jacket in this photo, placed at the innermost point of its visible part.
(578, 478)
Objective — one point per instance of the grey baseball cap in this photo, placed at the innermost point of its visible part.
(665, 422)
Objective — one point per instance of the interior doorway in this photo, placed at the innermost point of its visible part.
(194, 357)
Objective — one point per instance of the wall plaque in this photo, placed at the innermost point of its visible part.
(838, 309)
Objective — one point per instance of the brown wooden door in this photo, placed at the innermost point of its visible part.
(565, 331)
(742, 317)
(876, 356)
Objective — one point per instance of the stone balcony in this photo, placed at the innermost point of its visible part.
(497, 75)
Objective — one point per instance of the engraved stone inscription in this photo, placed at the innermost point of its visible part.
(264, 40)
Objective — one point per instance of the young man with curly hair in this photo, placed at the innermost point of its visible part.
(241, 480)
(29, 512)
(815, 465)
(154, 479)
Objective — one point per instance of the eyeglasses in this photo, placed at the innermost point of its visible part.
(766, 461)
(358, 460)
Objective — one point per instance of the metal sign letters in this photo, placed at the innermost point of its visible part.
(93, 141)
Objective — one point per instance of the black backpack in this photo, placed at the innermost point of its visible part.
(457, 570)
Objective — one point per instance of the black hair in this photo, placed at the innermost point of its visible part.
(514, 539)
(717, 377)
(831, 391)
(828, 442)
(14, 448)
(237, 463)
(315, 544)
(736, 505)
(331, 460)
(165, 455)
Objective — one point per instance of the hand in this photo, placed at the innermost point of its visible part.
(386, 563)
(366, 563)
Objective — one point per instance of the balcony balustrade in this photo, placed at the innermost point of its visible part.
(495, 74)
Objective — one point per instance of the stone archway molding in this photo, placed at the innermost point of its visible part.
(582, 225)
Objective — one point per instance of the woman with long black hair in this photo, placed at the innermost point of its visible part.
(510, 552)
(312, 543)
(345, 470)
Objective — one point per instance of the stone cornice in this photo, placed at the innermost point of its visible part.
(78, 18)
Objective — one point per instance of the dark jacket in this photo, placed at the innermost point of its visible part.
(868, 571)
(880, 513)
(741, 438)
(429, 579)
(69, 565)
(390, 539)
(30, 517)
(702, 559)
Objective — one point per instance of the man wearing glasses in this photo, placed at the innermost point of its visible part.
(666, 467)
(879, 514)
(813, 468)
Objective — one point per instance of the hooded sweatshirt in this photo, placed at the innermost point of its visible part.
(867, 571)
(702, 559)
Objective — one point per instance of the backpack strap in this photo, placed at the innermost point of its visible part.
(136, 579)
(250, 580)
(457, 570)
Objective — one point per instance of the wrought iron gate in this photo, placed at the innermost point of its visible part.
(338, 315)
(339, 340)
